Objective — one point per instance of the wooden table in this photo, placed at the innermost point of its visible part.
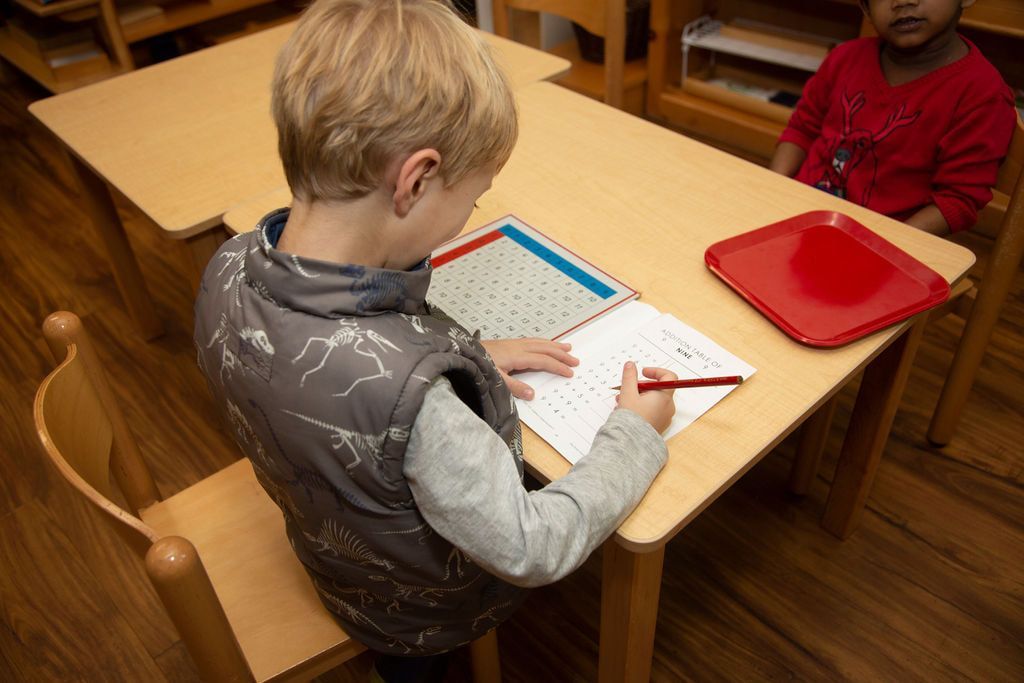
(186, 139)
(643, 203)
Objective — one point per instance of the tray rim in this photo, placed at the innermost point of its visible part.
(936, 284)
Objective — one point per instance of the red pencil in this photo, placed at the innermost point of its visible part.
(687, 383)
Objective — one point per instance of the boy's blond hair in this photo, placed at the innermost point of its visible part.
(361, 82)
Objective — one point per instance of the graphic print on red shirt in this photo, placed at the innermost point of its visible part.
(853, 151)
(937, 140)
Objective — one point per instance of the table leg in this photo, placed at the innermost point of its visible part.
(813, 435)
(877, 400)
(202, 247)
(630, 587)
(100, 207)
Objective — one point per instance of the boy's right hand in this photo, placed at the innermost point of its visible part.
(656, 407)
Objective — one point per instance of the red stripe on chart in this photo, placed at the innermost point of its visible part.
(473, 245)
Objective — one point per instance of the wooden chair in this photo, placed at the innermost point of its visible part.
(216, 552)
(978, 304)
(617, 82)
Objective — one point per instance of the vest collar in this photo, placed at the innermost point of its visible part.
(329, 290)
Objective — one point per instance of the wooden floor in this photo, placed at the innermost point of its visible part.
(930, 588)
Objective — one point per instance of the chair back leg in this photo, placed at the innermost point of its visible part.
(485, 660)
(992, 291)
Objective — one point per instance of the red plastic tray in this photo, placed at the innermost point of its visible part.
(824, 278)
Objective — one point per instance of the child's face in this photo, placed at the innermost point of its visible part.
(909, 25)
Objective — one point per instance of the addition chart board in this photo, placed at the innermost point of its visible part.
(508, 280)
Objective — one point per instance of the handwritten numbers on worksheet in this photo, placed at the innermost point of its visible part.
(588, 396)
(568, 412)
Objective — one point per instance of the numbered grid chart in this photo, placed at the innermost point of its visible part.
(508, 280)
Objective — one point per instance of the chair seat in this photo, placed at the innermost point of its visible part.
(588, 78)
(267, 595)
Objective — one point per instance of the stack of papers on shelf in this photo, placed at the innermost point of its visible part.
(41, 37)
(77, 61)
(133, 14)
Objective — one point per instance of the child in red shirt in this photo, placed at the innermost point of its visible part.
(912, 124)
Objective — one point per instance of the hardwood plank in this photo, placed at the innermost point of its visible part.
(863, 585)
(176, 665)
(124, 583)
(878, 400)
(353, 671)
(59, 623)
(8, 671)
(20, 475)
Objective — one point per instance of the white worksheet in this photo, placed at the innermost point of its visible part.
(567, 412)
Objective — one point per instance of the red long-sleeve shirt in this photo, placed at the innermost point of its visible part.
(938, 139)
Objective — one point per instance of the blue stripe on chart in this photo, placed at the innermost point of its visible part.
(572, 270)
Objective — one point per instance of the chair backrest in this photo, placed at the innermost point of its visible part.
(86, 438)
(83, 432)
(605, 18)
(985, 300)
(1008, 250)
(990, 220)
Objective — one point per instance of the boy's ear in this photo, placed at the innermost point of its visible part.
(413, 175)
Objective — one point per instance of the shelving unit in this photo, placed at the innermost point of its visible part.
(731, 85)
(185, 13)
(717, 37)
(101, 52)
(114, 29)
(768, 45)
(54, 8)
(1003, 17)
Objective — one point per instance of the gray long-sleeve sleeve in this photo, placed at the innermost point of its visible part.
(466, 486)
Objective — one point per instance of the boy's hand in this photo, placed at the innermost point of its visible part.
(656, 407)
(510, 355)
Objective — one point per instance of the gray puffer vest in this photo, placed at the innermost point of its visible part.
(321, 370)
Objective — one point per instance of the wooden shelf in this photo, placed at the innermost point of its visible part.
(709, 34)
(238, 25)
(587, 78)
(738, 100)
(752, 134)
(187, 13)
(53, 8)
(116, 33)
(41, 72)
(743, 106)
(763, 41)
(1002, 17)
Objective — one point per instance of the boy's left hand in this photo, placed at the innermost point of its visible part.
(510, 355)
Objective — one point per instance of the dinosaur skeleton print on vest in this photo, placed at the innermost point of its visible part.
(320, 370)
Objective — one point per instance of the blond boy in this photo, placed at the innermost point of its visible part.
(385, 431)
